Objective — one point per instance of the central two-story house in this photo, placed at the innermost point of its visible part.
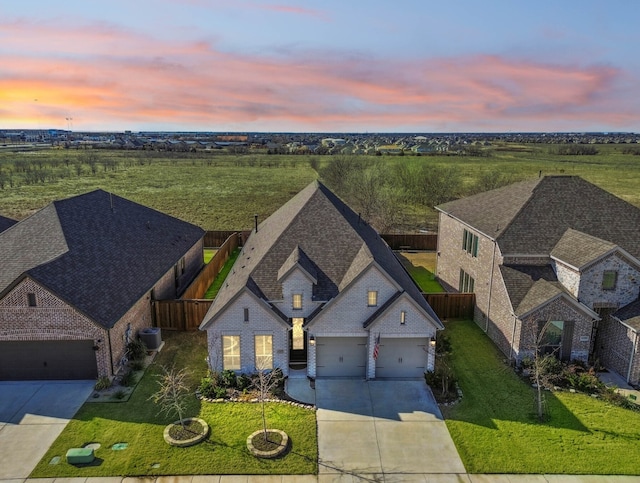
(555, 251)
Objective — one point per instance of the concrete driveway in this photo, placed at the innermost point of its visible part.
(32, 415)
(382, 430)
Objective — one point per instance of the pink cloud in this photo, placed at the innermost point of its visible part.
(105, 76)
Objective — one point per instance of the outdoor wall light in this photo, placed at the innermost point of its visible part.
(312, 339)
(432, 342)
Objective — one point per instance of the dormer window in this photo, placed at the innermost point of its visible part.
(609, 279)
(372, 298)
(297, 301)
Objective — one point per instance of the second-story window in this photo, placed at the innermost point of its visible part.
(372, 298)
(470, 243)
(609, 279)
(297, 301)
(31, 300)
(246, 314)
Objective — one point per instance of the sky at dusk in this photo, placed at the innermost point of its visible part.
(328, 66)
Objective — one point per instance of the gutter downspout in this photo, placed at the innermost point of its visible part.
(110, 350)
(633, 351)
(513, 336)
(493, 264)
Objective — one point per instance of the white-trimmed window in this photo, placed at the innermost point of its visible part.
(403, 317)
(231, 352)
(297, 301)
(372, 298)
(264, 352)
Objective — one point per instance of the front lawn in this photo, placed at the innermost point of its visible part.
(138, 424)
(495, 428)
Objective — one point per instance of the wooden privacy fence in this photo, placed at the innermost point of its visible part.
(188, 312)
(214, 239)
(180, 314)
(409, 241)
(452, 305)
(412, 241)
(207, 275)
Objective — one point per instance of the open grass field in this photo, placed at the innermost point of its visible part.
(220, 191)
(495, 428)
(138, 424)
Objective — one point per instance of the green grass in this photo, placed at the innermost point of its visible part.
(223, 191)
(421, 267)
(214, 288)
(495, 428)
(223, 195)
(208, 254)
(137, 423)
(425, 279)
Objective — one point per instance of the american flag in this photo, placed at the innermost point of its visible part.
(376, 347)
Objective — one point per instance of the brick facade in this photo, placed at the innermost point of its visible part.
(342, 317)
(561, 310)
(261, 321)
(494, 312)
(51, 319)
(617, 348)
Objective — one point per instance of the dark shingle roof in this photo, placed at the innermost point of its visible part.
(532, 216)
(298, 259)
(529, 287)
(337, 244)
(6, 223)
(630, 315)
(98, 259)
(579, 249)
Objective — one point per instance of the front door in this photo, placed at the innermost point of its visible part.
(297, 344)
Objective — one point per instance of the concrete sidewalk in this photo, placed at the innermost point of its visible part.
(344, 478)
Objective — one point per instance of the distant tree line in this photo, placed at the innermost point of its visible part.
(576, 150)
(379, 190)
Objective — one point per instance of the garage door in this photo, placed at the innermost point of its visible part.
(402, 357)
(341, 356)
(45, 360)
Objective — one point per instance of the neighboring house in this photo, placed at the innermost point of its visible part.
(555, 249)
(6, 223)
(77, 281)
(316, 287)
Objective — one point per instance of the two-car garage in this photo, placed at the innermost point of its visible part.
(347, 357)
(47, 360)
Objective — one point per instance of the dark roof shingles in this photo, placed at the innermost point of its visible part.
(117, 251)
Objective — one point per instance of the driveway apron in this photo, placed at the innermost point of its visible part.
(386, 430)
(32, 415)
